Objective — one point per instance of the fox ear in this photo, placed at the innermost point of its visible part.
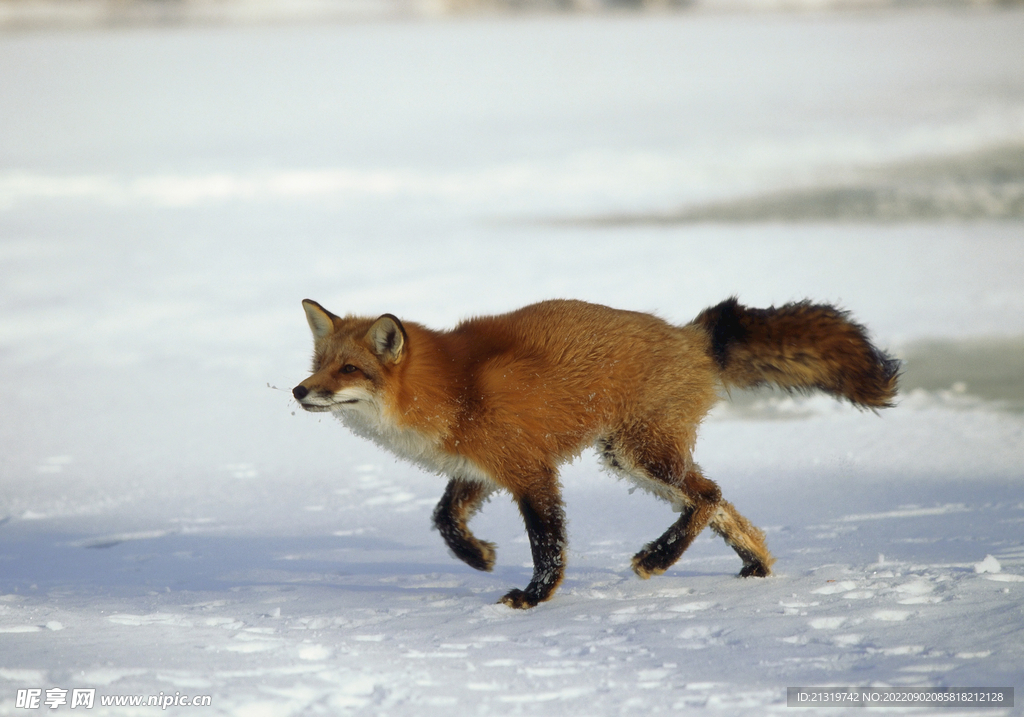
(321, 321)
(387, 337)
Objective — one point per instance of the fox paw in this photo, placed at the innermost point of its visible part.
(478, 554)
(483, 557)
(519, 599)
(647, 564)
(755, 570)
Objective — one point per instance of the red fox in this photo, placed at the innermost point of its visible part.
(499, 402)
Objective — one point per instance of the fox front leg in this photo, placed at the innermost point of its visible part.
(545, 526)
(460, 502)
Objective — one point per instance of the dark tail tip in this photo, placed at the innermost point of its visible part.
(883, 389)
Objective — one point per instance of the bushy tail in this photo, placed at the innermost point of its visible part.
(799, 346)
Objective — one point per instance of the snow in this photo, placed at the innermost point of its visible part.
(171, 523)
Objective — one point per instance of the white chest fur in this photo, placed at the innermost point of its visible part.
(369, 419)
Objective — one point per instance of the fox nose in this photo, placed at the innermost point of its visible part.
(300, 392)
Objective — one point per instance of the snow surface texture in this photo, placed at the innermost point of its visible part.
(171, 524)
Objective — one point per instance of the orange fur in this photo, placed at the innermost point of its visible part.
(499, 402)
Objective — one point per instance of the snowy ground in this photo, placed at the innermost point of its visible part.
(170, 524)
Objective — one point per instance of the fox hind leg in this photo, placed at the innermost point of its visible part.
(698, 498)
(701, 501)
(460, 502)
(746, 539)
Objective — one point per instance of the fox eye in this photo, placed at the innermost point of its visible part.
(348, 368)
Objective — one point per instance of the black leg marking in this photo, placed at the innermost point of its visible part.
(461, 500)
(545, 525)
(703, 497)
(658, 556)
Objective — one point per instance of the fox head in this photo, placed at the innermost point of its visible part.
(352, 358)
